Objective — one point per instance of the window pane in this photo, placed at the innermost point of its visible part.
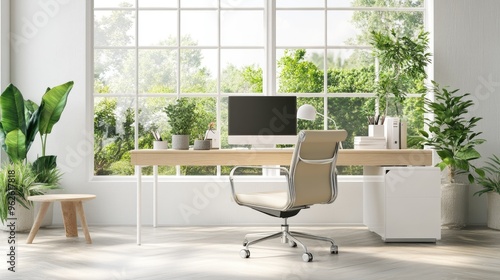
(158, 3)
(153, 118)
(114, 3)
(341, 31)
(242, 71)
(205, 114)
(300, 3)
(198, 71)
(300, 28)
(377, 3)
(114, 71)
(317, 124)
(300, 71)
(158, 71)
(350, 70)
(114, 28)
(199, 28)
(113, 135)
(350, 114)
(242, 28)
(157, 28)
(407, 23)
(199, 4)
(242, 4)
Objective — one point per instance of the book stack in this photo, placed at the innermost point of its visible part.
(367, 142)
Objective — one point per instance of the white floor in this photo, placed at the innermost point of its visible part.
(213, 253)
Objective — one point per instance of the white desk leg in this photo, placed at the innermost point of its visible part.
(138, 171)
(155, 198)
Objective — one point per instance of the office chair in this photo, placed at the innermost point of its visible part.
(311, 179)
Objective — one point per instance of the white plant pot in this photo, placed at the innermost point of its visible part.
(180, 142)
(24, 219)
(494, 210)
(454, 205)
(160, 145)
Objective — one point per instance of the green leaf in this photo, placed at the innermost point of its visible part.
(33, 124)
(12, 105)
(15, 141)
(53, 102)
(44, 163)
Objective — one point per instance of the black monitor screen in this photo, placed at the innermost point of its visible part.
(262, 115)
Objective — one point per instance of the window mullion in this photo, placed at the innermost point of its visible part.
(270, 48)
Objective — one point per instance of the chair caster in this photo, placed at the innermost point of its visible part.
(334, 249)
(292, 243)
(245, 242)
(244, 253)
(307, 257)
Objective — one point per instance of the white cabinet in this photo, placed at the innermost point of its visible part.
(403, 204)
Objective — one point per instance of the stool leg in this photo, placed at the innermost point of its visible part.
(83, 220)
(38, 222)
(69, 215)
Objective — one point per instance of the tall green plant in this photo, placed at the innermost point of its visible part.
(21, 120)
(451, 134)
(402, 62)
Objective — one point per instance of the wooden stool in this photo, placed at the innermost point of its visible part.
(71, 204)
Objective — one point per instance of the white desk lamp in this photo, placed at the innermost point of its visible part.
(308, 112)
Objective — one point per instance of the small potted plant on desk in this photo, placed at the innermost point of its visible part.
(181, 117)
(159, 143)
(451, 135)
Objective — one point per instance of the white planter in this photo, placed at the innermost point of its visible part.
(494, 210)
(24, 219)
(454, 205)
(160, 145)
(180, 142)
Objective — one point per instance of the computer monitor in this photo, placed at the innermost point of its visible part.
(262, 121)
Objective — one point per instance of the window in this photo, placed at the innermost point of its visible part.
(147, 53)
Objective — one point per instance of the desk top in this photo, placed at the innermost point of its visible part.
(383, 157)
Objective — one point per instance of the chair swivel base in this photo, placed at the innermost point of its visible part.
(289, 237)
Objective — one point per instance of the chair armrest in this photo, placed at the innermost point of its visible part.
(232, 176)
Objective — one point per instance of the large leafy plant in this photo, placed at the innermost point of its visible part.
(451, 133)
(21, 120)
(402, 62)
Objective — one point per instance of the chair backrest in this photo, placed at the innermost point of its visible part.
(313, 174)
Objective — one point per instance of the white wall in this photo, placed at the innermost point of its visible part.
(51, 49)
(4, 45)
(466, 57)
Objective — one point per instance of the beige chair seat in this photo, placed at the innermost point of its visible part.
(273, 200)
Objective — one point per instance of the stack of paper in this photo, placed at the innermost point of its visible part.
(366, 142)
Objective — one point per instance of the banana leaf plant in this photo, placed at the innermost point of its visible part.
(22, 120)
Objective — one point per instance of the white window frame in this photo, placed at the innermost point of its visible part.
(269, 72)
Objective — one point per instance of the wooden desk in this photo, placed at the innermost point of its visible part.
(141, 158)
